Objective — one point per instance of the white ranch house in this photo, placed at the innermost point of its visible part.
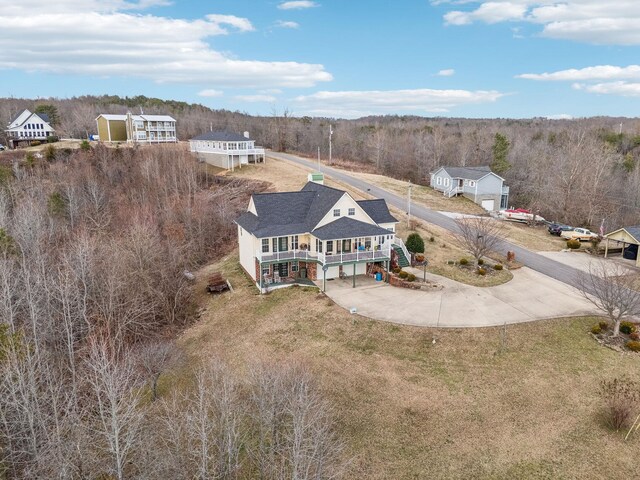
(317, 233)
(478, 184)
(226, 149)
(27, 127)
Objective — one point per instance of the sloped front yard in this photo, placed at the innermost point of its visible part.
(477, 403)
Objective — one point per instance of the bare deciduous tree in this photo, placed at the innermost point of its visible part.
(478, 235)
(154, 358)
(609, 287)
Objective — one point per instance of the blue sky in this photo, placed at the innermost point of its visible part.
(344, 58)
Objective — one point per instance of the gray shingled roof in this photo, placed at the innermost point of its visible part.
(470, 173)
(346, 227)
(378, 211)
(634, 232)
(290, 213)
(222, 137)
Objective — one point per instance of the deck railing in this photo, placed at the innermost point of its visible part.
(383, 253)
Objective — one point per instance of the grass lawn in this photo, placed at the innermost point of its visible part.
(468, 406)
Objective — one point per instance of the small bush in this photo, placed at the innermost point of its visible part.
(498, 266)
(480, 262)
(414, 243)
(604, 325)
(397, 270)
(85, 145)
(633, 345)
(403, 274)
(450, 262)
(596, 329)
(627, 327)
(635, 336)
(620, 398)
(411, 277)
(432, 239)
(463, 261)
(573, 244)
(419, 258)
(482, 271)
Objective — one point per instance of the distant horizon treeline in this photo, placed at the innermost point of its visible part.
(578, 171)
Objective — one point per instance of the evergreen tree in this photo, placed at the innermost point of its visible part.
(500, 149)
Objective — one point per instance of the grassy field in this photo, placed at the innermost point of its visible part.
(475, 404)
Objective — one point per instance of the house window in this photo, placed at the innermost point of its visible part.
(265, 245)
(352, 212)
(274, 244)
(318, 245)
(266, 270)
(329, 247)
(294, 266)
(283, 244)
(438, 180)
(472, 183)
(447, 181)
(294, 242)
(336, 212)
(381, 240)
(367, 243)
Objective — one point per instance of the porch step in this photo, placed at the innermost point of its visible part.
(403, 261)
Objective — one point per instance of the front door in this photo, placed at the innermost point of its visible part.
(283, 270)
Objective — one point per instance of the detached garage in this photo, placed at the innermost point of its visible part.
(628, 238)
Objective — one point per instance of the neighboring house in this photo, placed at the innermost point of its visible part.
(226, 149)
(479, 184)
(317, 233)
(27, 127)
(136, 128)
(626, 238)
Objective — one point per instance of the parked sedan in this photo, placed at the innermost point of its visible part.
(558, 228)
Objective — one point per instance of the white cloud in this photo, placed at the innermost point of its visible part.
(614, 22)
(297, 5)
(102, 38)
(256, 98)
(560, 116)
(210, 93)
(624, 89)
(362, 103)
(446, 72)
(599, 72)
(287, 24)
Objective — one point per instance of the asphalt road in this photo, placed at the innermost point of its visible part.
(546, 266)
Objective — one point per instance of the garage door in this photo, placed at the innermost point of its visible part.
(488, 205)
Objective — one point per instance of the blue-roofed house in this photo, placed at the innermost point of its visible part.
(316, 233)
(226, 149)
(478, 184)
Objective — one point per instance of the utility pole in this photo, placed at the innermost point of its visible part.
(330, 135)
(409, 205)
(318, 158)
(620, 132)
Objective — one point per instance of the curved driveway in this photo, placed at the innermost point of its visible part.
(539, 263)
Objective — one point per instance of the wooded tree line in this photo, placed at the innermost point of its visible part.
(576, 171)
(94, 246)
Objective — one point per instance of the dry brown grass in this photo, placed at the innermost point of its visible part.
(464, 407)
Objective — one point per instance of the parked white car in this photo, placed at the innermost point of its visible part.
(581, 234)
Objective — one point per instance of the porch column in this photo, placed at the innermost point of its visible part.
(261, 276)
(606, 247)
(354, 275)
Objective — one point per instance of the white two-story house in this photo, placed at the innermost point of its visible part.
(27, 127)
(317, 233)
(226, 149)
(479, 184)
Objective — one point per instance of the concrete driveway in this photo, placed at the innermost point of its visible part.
(529, 296)
(583, 261)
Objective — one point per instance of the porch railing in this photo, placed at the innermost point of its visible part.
(286, 255)
(383, 253)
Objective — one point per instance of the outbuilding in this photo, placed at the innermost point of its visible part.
(628, 238)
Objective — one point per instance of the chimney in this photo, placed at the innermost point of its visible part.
(246, 135)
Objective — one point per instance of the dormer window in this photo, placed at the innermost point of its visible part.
(336, 212)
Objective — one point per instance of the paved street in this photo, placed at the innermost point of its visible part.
(547, 266)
